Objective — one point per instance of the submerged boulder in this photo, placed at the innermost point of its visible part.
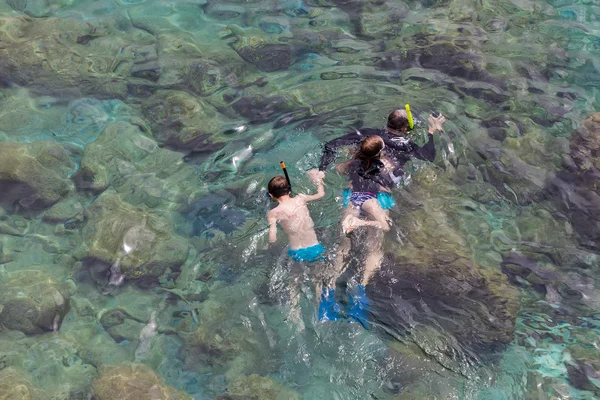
(34, 175)
(135, 242)
(32, 302)
(133, 381)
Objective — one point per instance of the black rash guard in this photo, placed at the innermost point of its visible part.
(398, 149)
(368, 175)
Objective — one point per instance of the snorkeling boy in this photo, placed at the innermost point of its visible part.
(293, 216)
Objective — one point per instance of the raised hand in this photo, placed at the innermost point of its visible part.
(436, 123)
(316, 176)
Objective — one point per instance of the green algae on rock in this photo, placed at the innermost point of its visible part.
(262, 50)
(576, 188)
(64, 210)
(32, 302)
(133, 381)
(139, 242)
(15, 386)
(71, 57)
(132, 163)
(221, 343)
(182, 121)
(34, 175)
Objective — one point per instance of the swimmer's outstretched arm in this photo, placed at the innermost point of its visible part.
(272, 220)
(316, 177)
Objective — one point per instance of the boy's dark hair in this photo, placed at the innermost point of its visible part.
(371, 146)
(397, 120)
(279, 186)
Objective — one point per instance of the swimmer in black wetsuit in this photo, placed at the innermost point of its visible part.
(398, 151)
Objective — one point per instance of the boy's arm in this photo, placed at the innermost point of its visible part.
(272, 219)
(316, 177)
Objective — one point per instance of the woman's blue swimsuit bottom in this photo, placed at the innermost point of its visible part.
(308, 254)
(386, 200)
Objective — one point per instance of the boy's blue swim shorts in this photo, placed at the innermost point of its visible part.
(308, 254)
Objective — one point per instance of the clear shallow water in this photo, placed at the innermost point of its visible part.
(137, 138)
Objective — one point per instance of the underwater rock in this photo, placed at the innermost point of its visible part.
(184, 122)
(426, 51)
(38, 8)
(121, 326)
(63, 210)
(15, 386)
(257, 387)
(34, 175)
(378, 20)
(261, 49)
(32, 302)
(575, 189)
(552, 272)
(482, 303)
(520, 182)
(140, 242)
(585, 375)
(261, 108)
(187, 65)
(118, 147)
(133, 164)
(133, 381)
(220, 343)
(66, 57)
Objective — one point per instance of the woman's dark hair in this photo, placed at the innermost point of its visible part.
(397, 120)
(371, 146)
(279, 186)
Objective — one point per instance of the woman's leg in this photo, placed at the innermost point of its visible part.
(374, 242)
(376, 213)
(375, 254)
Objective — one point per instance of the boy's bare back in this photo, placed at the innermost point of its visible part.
(293, 216)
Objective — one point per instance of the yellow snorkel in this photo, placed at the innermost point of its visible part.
(411, 121)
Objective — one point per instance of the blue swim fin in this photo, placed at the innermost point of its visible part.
(359, 305)
(329, 309)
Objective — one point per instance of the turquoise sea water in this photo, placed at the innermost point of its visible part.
(136, 141)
